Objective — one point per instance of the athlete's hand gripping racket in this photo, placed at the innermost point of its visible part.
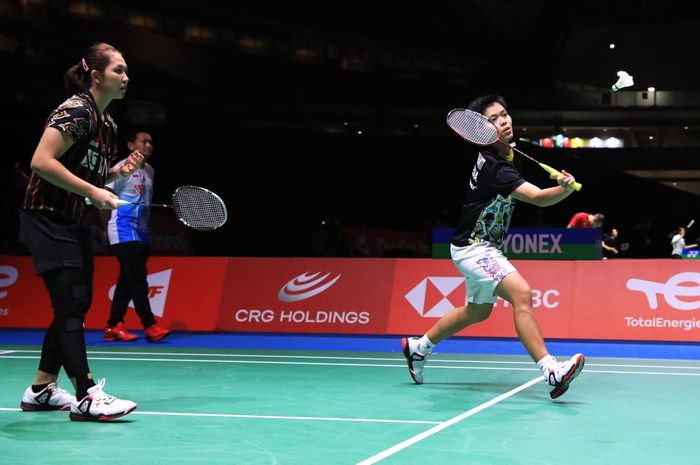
(479, 130)
(196, 207)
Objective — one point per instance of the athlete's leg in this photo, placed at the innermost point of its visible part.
(458, 319)
(517, 291)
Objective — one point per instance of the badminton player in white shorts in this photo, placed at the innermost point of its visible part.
(477, 251)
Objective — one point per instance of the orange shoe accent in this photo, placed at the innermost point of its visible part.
(119, 333)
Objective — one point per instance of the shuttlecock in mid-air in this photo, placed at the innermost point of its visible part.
(624, 80)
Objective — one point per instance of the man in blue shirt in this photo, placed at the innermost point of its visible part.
(129, 235)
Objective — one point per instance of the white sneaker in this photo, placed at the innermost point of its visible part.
(564, 375)
(100, 406)
(416, 360)
(51, 397)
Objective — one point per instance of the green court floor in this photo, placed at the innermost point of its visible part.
(225, 406)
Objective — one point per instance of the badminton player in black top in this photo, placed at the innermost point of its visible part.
(477, 251)
(71, 163)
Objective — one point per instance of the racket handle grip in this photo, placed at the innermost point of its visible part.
(576, 185)
(120, 202)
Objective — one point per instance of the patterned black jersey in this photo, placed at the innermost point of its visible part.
(488, 207)
(89, 158)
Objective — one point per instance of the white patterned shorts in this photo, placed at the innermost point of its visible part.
(483, 266)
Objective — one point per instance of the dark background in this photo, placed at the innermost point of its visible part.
(264, 102)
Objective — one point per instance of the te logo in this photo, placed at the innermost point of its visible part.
(670, 290)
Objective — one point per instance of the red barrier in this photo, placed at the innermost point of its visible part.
(185, 293)
(612, 299)
(307, 295)
(656, 300)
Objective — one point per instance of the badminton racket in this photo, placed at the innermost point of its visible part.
(196, 207)
(690, 223)
(479, 130)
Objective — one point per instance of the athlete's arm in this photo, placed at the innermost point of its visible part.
(52, 146)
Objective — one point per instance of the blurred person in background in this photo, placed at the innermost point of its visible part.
(678, 244)
(586, 220)
(129, 234)
(611, 244)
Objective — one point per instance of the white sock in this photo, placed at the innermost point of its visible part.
(425, 345)
(547, 363)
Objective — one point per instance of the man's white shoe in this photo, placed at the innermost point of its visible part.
(51, 397)
(415, 359)
(100, 406)
(564, 375)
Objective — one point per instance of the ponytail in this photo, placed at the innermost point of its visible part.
(78, 78)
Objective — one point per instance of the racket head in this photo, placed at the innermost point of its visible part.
(199, 208)
(690, 223)
(472, 126)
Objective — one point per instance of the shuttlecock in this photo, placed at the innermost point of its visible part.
(625, 80)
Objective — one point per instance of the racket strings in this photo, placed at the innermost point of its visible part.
(473, 127)
(199, 208)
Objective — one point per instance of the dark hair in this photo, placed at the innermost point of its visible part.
(97, 56)
(480, 104)
(599, 217)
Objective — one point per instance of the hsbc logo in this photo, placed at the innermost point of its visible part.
(670, 290)
(431, 297)
(435, 296)
(158, 284)
(305, 286)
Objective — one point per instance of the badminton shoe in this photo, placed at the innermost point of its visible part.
(119, 333)
(564, 375)
(100, 406)
(155, 333)
(51, 397)
(415, 359)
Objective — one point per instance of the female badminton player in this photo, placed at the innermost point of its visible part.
(477, 251)
(72, 162)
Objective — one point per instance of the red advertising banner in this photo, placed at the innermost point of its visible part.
(424, 290)
(612, 299)
(24, 302)
(638, 300)
(307, 295)
(185, 293)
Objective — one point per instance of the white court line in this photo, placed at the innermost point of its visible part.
(3, 352)
(419, 437)
(267, 417)
(326, 357)
(622, 372)
(268, 362)
(281, 417)
(362, 365)
(311, 357)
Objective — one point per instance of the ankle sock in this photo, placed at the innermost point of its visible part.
(548, 366)
(37, 388)
(425, 345)
(84, 383)
(547, 362)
